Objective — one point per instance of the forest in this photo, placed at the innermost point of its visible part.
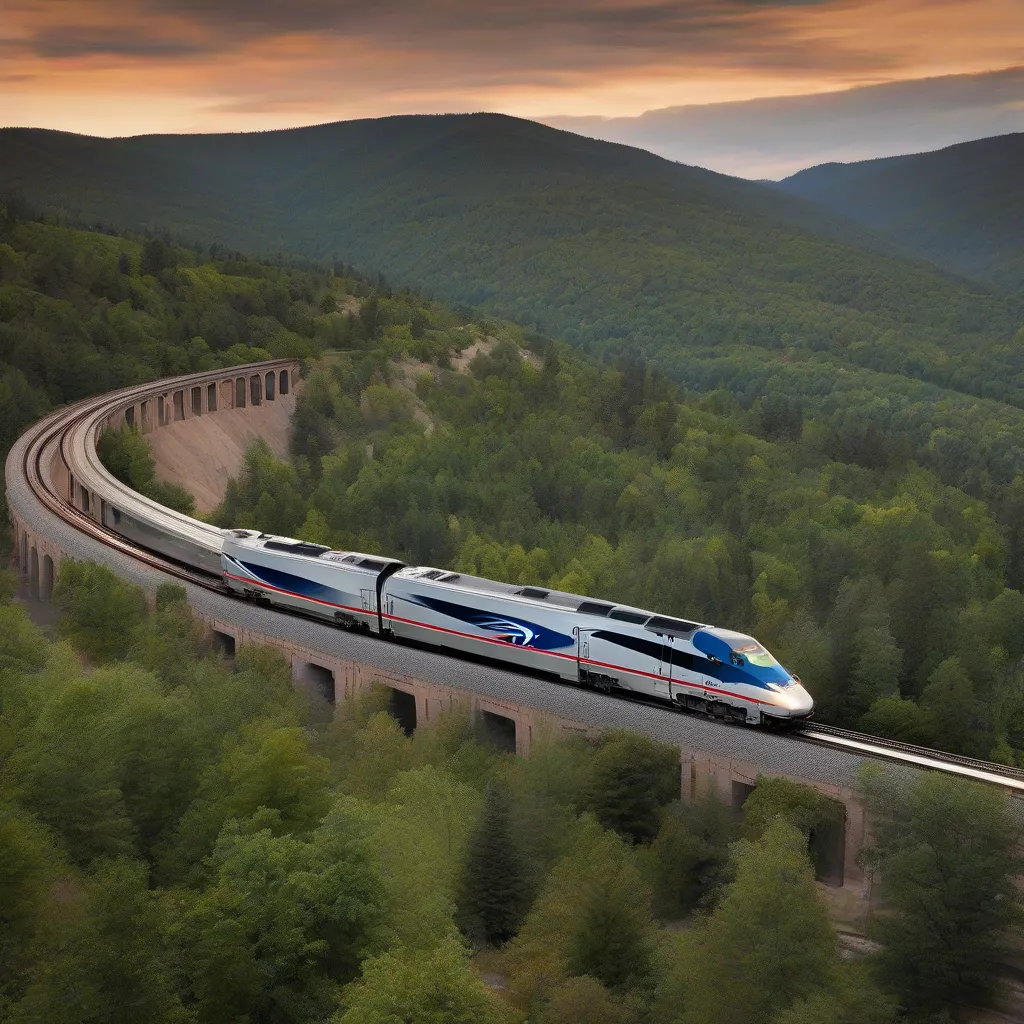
(864, 525)
(83, 312)
(190, 839)
(859, 555)
(602, 246)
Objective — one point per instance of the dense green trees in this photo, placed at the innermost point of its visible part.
(435, 987)
(883, 581)
(185, 840)
(947, 853)
(631, 780)
(604, 246)
(862, 523)
(768, 943)
(192, 842)
(83, 312)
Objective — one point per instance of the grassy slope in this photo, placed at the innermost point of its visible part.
(604, 245)
(962, 206)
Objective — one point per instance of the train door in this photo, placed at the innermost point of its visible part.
(369, 598)
(597, 662)
(584, 671)
(663, 686)
(582, 650)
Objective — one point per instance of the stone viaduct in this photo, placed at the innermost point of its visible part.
(511, 709)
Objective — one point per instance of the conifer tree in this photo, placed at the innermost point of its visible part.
(611, 941)
(493, 894)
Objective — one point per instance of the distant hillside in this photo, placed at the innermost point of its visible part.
(606, 246)
(962, 207)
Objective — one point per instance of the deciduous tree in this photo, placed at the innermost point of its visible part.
(947, 853)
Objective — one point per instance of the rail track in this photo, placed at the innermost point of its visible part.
(71, 435)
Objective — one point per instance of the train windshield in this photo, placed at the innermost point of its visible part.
(745, 650)
(756, 655)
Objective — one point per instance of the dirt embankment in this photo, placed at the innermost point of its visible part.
(203, 452)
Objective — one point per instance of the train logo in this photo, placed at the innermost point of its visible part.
(518, 632)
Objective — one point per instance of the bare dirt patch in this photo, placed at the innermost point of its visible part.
(461, 362)
(203, 452)
(407, 371)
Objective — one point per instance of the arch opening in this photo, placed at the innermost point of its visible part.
(284, 382)
(197, 401)
(319, 680)
(255, 389)
(211, 398)
(33, 575)
(402, 708)
(269, 392)
(223, 644)
(496, 731)
(240, 393)
(46, 583)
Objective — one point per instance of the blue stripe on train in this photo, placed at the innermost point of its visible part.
(299, 585)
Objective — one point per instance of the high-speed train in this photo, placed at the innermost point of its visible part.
(583, 641)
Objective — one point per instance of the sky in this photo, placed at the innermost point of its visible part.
(775, 137)
(124, 67)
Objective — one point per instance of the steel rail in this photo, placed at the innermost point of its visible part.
(907, 752)
(73, 433)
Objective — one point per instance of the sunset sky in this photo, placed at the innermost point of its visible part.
(118, 67)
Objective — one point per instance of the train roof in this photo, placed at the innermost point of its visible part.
(305, 549)
(559, 599)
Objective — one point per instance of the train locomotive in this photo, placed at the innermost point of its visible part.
(579, 640)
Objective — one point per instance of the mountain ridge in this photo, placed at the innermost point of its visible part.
(605, 245)
(961, 207)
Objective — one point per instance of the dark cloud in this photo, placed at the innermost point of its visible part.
(534, 43)
(774, 137)
(84, 41)
(303, 15)
(263, 17)
(669, 26)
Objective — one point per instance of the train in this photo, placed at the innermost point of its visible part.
(610, 647)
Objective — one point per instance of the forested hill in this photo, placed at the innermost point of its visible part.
(962, 207)
(600, 244)
(83, 312)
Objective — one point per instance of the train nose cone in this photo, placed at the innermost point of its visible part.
(800, 702)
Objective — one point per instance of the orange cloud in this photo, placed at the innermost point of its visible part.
(129, 66)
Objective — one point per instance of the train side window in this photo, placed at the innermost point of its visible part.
(115, 514)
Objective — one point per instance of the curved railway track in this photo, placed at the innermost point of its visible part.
(71, 435)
